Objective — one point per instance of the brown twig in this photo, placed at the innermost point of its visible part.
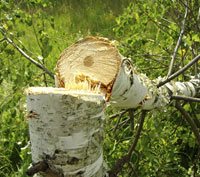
(190, 99)
(178, 42)
(192, 14)
(179, 72)
(117, 124)
(189, 120)
(131, 115)
(195, 45)
(133, 170)
(36, 36)
(117, 114)
(27, 56)
(121, 162)
(121, 123)
(137, 133)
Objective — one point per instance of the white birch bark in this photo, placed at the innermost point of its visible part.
(67, 131)
(132, 89)
(98, 62)
(67, 127)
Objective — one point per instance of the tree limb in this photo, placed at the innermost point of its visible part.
(178, 97)
(189, 120)
(131, 115)
(192, 14)
(118, 114)
(117, 124)
(178, 42)
(27, 56)
(137, 133)
(179, 72)
(121, 162)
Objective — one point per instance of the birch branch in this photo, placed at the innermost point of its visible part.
(178, 97)
(27, 56)
(179, 72)
(178, 42)
(118, 114)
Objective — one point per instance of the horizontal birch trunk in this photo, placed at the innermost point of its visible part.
(96, 63)
(67, 131)
(134, 90)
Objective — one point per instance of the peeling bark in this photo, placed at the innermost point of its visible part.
(132, 89)
(67, 131)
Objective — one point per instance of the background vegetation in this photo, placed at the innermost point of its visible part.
(147, 32)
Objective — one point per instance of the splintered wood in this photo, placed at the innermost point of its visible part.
(90, 64)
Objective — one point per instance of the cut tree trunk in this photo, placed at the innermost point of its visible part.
(96, 63)
(66, 124)
(66, 131)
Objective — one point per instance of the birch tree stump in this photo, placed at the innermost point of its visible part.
(67, 131)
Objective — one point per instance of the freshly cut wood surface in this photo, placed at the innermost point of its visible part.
(92, 60)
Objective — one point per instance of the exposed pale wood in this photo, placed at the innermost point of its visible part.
(95, 64)
(94, 60)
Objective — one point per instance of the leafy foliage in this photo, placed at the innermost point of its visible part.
(147, 32)
(43, 29)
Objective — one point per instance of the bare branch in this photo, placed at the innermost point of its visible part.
(178, 42)
(190, 99)
(117, 124)
(192, 14)
(121, 162)
(131, 115)
(27, 56)
(179, 72)
(120, 124)
(195, 45)
(117, 114)
(196, 64)
(137, 133)
(189, 120)
(133, 170)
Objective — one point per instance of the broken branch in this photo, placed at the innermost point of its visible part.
(179, 72)
(178, 97)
